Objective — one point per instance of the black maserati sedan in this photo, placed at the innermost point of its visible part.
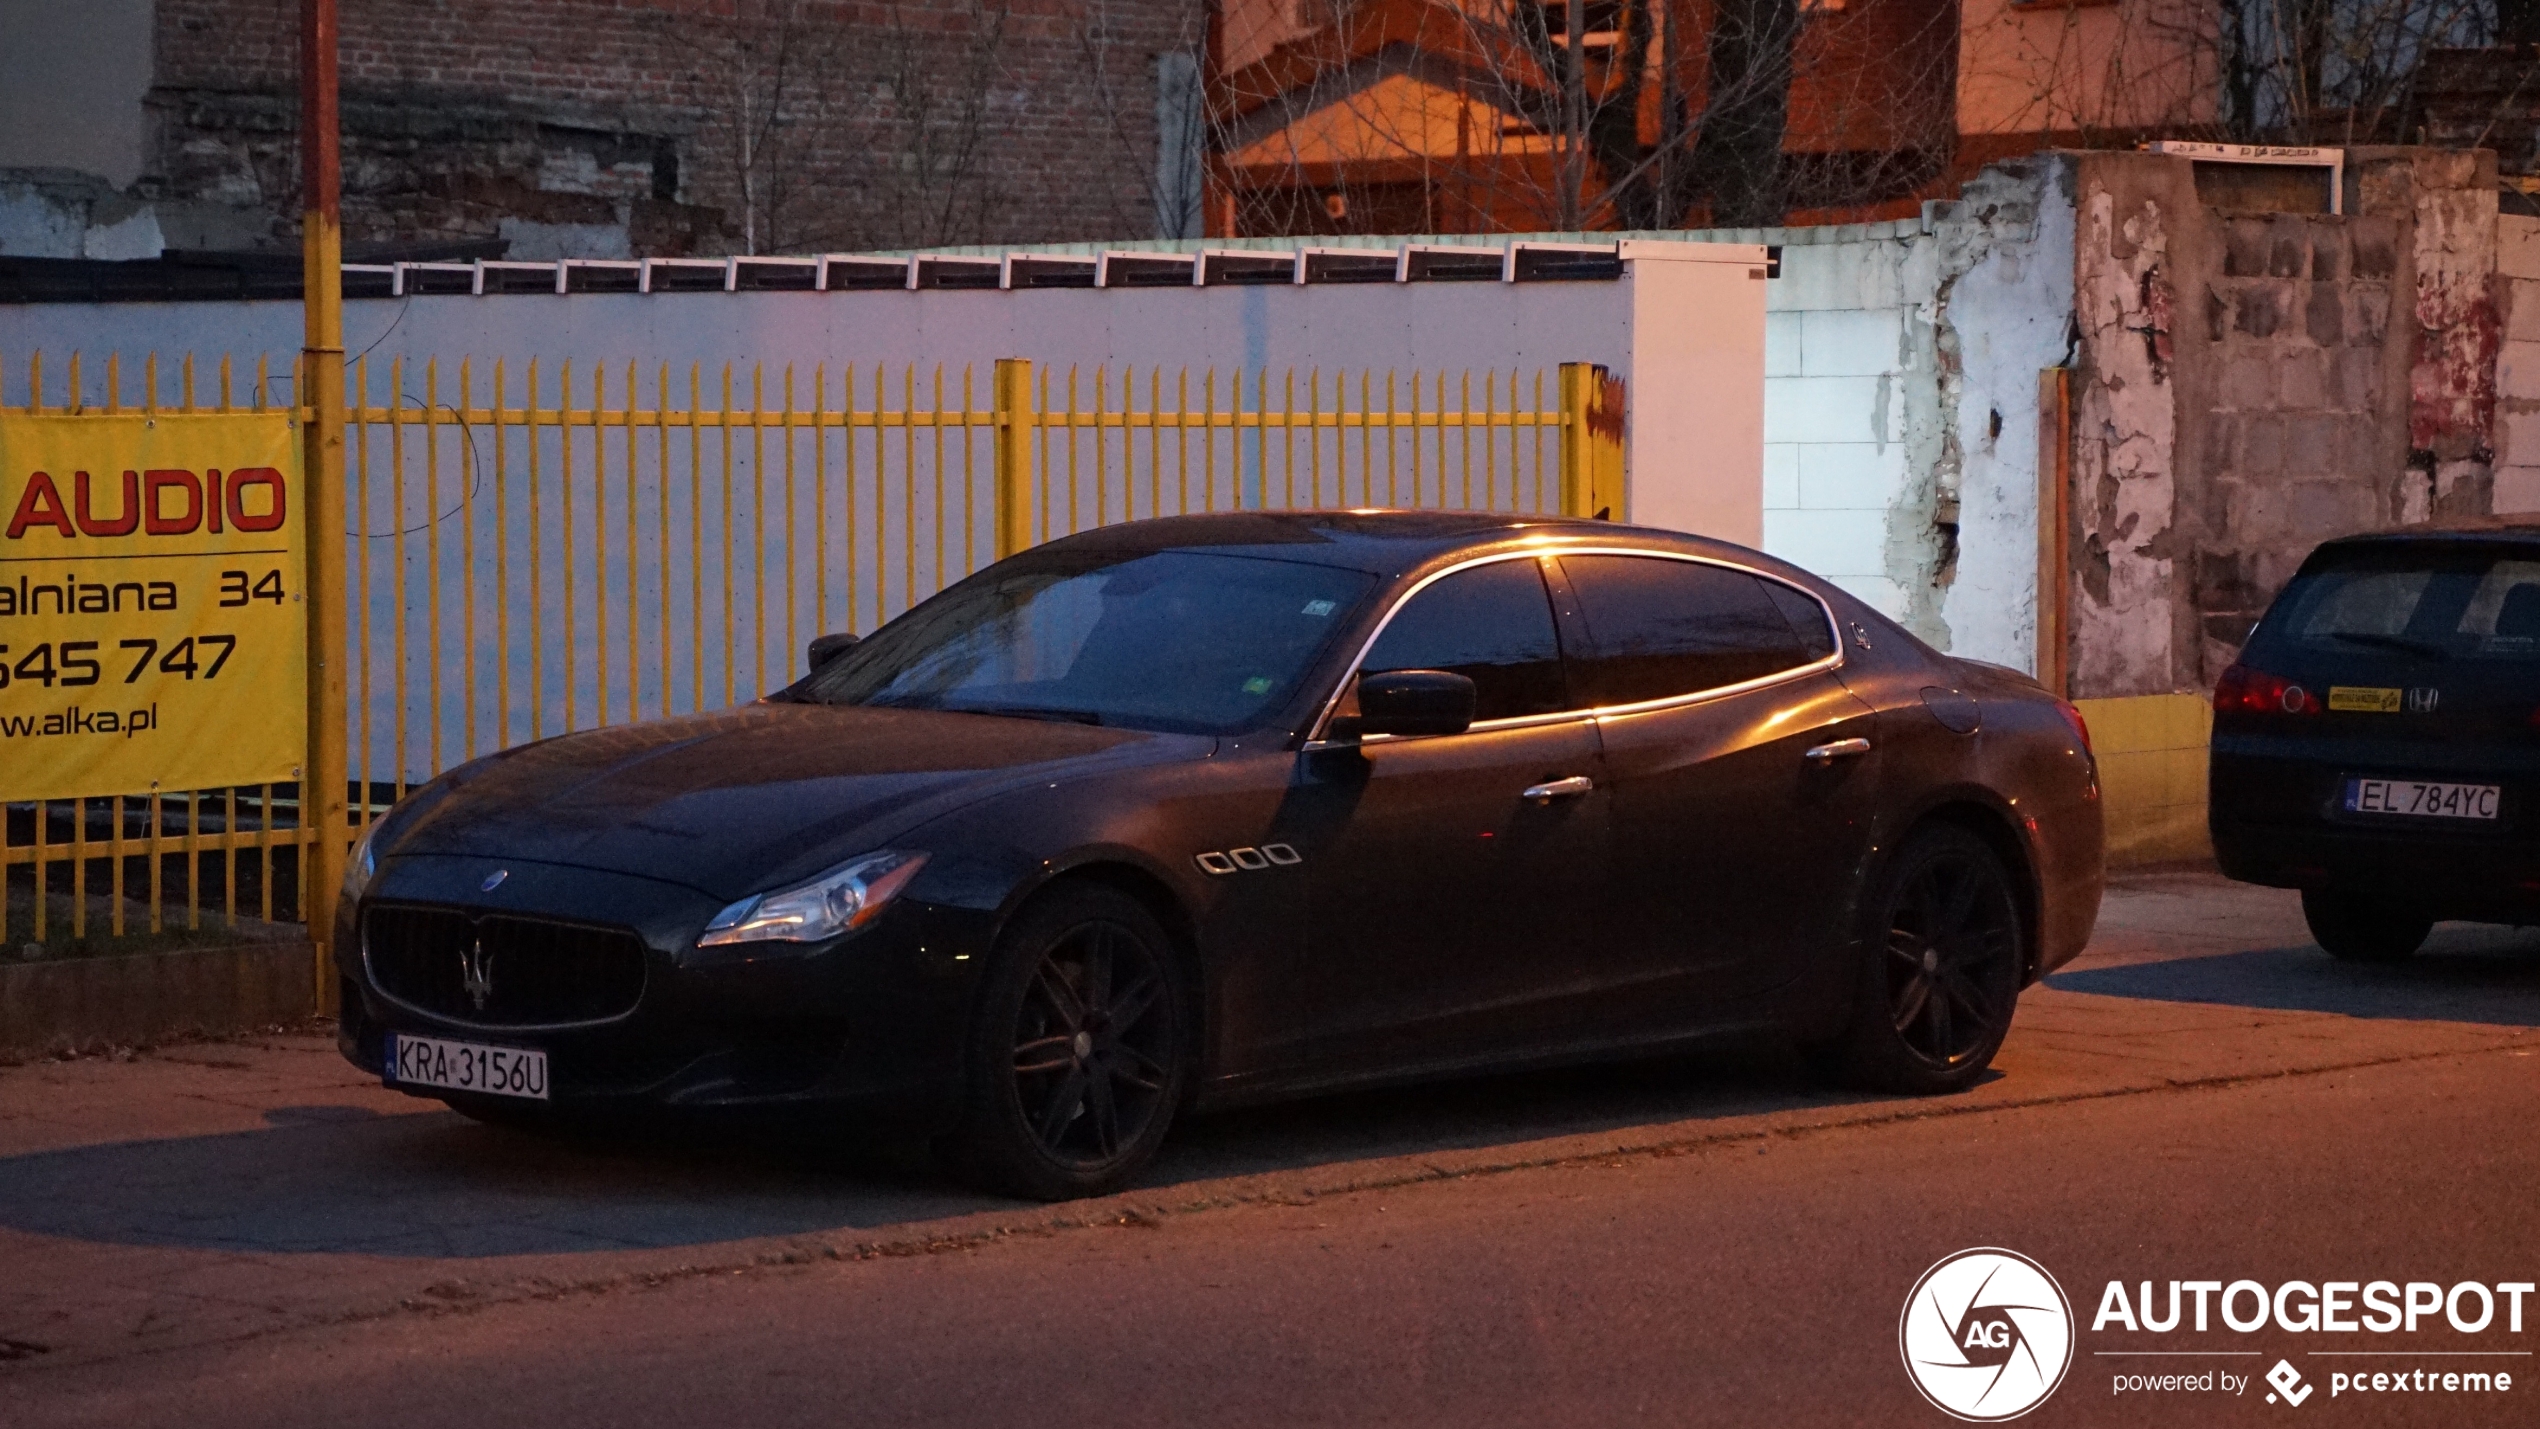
(1193, 811)
(2377, 744)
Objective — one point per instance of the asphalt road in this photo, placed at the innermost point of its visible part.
(244, 1234)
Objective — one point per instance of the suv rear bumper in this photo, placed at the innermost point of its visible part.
(2484, 881)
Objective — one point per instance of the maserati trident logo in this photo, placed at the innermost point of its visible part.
(1987, 1335)
(476, 973)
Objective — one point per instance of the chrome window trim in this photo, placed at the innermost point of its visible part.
(1316, 739)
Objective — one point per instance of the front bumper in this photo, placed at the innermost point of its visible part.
(871, 1023)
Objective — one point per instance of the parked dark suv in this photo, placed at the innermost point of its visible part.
(2378, 744)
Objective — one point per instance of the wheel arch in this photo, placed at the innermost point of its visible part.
(1997, 827)
(1150, 891)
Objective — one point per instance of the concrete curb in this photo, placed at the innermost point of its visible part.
(78, 1003)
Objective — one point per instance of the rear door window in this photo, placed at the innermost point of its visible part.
(1491, 624)
(2502, 617)
(2442, 602)
(1659, 628)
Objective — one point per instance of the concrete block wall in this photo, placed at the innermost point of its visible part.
(2298, 448)
(2518, 364)
(2248, 385)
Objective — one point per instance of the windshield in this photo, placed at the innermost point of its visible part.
(1188, 641)
(2446, 602)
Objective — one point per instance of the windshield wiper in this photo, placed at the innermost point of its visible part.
(2426, 648)
(1028, 712)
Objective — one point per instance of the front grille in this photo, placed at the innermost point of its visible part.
(502, 971)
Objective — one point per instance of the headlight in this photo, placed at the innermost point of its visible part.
(845, 897)
(358, 868)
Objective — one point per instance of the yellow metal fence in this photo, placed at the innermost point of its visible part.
(541, 547)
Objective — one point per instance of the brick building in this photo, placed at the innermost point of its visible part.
(601, 128)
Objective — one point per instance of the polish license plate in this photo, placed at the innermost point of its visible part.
(466, 1067)
(2421, 798)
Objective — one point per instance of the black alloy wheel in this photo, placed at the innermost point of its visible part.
(1948, 951)
(1077, 1058)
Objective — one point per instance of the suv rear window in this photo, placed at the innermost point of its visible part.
(2446, 602)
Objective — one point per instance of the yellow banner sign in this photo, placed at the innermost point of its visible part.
(153, 622)
(2366, 698)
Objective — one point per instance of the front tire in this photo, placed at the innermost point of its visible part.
(2360, 930)
(1077, 1056)
(1945, 953)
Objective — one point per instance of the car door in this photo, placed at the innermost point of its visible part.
(1743, 775)
(1457, 881)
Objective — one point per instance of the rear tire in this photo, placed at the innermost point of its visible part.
(1077, 1056)
(2355, 929)
(1943, 954)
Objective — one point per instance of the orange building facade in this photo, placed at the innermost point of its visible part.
(1450, 116)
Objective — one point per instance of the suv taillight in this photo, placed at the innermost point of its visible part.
(2242, 690)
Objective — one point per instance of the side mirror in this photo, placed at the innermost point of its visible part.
(825, 648)
(1414, 702)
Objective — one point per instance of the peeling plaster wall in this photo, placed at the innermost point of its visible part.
(2517, 475)
(2449, 198)
(2249, 385)
(2125, 428)
(2007, 318)
(1900, 405)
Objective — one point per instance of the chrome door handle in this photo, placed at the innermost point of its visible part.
(1575, 785)
(1840, 749)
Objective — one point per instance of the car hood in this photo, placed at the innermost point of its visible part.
(750, 798)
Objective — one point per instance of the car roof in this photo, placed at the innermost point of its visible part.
(1380, 542)
(2512, 526)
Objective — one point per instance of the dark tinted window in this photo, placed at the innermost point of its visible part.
(2449, 601)
(1176, 640)
(1658, 628)
(1806, 616)
(1491, 624)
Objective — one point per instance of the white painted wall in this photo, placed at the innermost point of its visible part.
(1891, 354)
(1693, 451)
(1683, 328)
(1835, 363)
(1686, 335)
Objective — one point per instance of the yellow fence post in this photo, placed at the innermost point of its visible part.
(322, 781)
(1014, 422)
(1577, 383)
(1591, 442)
